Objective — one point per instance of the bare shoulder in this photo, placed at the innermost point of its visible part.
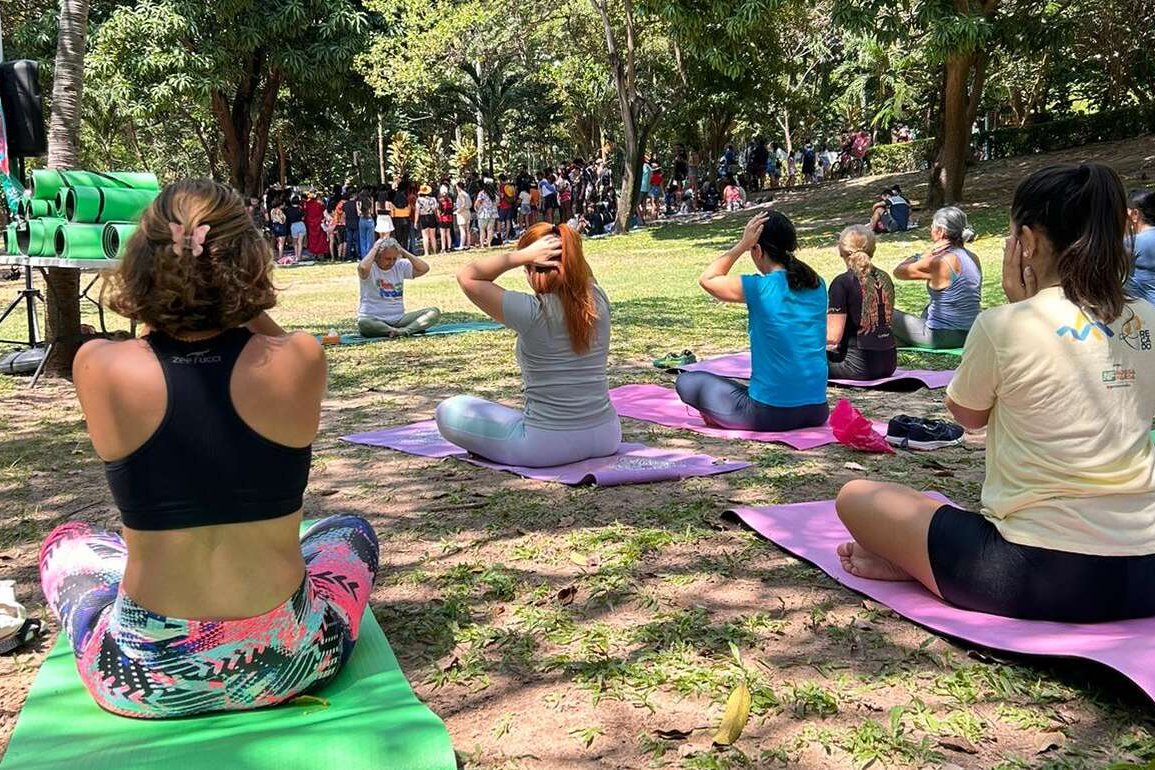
(123, 362)
(296, 356)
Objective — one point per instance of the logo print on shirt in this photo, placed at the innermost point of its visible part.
(389, 291)
(1132, 331)
(1083, 327)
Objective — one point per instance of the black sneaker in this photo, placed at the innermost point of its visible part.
(908, 432)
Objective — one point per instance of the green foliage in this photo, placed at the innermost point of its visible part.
(1069, 132)
(900, 157)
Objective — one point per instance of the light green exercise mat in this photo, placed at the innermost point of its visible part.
(10, 239)
(99, 204)
(77, 241)
(35, 238)
(373, 722)
(116, 235)
(45, 184)
(936, 352)
(33, 208)
(123, 179)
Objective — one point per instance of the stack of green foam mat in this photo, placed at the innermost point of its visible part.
(367, 718)
(77, 214)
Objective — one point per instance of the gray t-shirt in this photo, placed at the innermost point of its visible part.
(563, 390)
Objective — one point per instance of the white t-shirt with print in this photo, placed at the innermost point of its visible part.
(1070, 463)
(383, 292)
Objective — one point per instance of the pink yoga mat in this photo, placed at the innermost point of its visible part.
(633, 463)
(737, 365)
(812, 531)
(656, 404)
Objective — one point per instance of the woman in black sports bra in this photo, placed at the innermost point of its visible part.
(212, 599)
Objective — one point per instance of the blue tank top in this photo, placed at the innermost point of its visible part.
(787, 341)
(957, 305)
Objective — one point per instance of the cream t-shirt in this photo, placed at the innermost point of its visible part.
(1070, 463)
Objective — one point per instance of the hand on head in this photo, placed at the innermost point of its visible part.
(1019, 279)
(543, 254)
(753, 230)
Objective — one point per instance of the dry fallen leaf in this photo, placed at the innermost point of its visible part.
(958, 743)
(673, 734)
(579, 559)
(567, 595)
(853, 467)
(1048, 741)
(735, 717)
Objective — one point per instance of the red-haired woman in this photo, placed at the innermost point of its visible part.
(563, 337)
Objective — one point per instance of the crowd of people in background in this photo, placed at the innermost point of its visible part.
(440, 215)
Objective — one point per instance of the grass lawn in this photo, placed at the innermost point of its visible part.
(554, 627)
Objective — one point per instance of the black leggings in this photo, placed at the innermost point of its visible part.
(725, 403)
(856, 364)
(977, 569)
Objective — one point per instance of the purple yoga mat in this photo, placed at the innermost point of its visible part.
(737, 366)
(656, 404)
(812, 531)
(633, 463)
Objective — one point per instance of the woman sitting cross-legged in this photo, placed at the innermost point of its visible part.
(1061, 378)
(211, 598)
(383, 272)
(859, 342)
(563, 338)
(787, 305)
(954, 282)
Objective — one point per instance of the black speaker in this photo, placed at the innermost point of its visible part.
(23, 108)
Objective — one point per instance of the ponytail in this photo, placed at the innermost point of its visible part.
(1082, 210)
(779, 241)
(856, 245)
(572, 282)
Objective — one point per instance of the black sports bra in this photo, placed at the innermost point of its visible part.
(204, 465)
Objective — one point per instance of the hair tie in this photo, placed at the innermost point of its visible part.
(195, 243)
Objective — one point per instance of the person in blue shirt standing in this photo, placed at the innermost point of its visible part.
(1141, 211)
(786, 300)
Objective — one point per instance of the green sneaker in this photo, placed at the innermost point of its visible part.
(676, 360)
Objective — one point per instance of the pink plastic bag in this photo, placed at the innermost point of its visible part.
(855, 431)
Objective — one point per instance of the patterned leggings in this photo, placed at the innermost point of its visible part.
(140, 664)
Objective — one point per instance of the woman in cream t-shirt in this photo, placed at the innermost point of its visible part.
(1063, 378)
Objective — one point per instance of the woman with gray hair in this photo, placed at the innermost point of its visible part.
(383, 272)
(954, 281)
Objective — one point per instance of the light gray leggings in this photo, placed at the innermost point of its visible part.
(911, 331)
(500, 434)
(410, 323)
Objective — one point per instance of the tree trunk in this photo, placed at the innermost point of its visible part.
(380, 149)
(246, 140)
(63, 284)
(962, 91)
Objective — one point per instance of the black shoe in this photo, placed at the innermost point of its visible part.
(908, 432)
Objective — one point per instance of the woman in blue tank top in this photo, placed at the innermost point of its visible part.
(954, 282)
(787, 304)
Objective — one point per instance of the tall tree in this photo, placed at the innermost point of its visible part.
(63, 285)
(235, 57)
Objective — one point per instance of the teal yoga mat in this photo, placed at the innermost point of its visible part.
(436, 331)
(929, 351)
(77, 241)
(36, 237)
(373, 722)
(116, 235)
(98, 204)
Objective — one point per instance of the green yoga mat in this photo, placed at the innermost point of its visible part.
(31, 208)
(77, 241)
(10, 239)
(943, 352)
(123, 179)
(45, 184)
(116, 235)
(36, 237)
(97, 204)
(373, 722)
(436, 331)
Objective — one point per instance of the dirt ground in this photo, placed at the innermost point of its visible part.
(556, 627)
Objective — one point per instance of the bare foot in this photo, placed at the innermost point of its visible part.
(862, 563)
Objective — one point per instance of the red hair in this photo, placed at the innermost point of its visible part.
(572, 282)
